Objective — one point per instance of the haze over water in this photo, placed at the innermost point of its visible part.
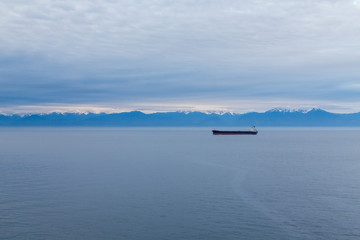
(179, 183)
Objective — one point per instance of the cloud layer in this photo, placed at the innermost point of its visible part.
(231, 55)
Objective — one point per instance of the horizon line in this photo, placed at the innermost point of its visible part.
(277, 109)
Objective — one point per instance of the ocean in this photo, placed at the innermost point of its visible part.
(179, 183)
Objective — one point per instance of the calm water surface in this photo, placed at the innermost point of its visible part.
(179, 183)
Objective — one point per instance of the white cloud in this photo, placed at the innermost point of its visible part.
(144, 49)
(218, 32)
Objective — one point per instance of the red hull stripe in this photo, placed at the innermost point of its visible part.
(215, 133)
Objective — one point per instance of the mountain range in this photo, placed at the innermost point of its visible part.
(273, 117)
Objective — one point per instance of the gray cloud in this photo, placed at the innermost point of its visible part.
(134, 52)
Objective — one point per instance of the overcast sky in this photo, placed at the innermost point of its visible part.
(153, 55)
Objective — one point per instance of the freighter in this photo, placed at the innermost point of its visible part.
(252, 131)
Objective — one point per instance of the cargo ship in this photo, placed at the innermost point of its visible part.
(252, 131)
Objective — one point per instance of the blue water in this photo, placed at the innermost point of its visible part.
(179, 183)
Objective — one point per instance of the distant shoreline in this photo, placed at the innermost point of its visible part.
(272, 118)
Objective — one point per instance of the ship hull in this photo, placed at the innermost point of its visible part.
(217, 132)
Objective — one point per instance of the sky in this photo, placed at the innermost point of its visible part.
(184, 55)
